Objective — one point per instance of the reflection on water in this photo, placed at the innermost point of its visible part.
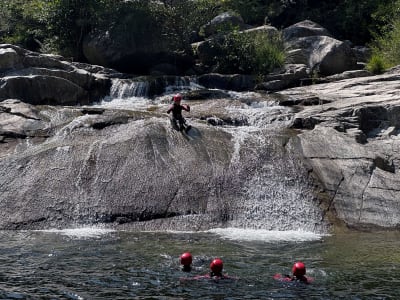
(101, 264)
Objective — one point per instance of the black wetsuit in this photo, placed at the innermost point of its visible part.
(176, 110)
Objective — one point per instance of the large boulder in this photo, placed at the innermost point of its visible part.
(206, 51)
(41, 79)
(304, 28)
(113, 49)
(38, 89)
(309, 43)
(324, 55)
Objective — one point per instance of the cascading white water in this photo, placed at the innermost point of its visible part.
(127, 88)
(276, 195)
(137, 92)
(140, 87)
(181, 84)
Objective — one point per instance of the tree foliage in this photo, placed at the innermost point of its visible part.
(60, 25)
(346, 19)
(181, 20)
(22, 22)
(386, 45)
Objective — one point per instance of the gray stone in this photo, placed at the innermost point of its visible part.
(224, 22)
(324, 55)
(8, 58)
(353, 147)
(304, 28)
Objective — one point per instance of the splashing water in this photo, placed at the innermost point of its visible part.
(240, 234)
(276, 194)
(81, 233)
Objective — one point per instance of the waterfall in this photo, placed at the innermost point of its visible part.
(148, 87)
(276, 193)
(136, 92)
(127, 88)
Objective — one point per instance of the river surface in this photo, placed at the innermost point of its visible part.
(93, 263)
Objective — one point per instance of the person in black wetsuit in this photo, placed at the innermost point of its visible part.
(177, 120)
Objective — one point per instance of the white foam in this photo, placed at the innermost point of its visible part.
(137, 103)
(266, 235)
(81, 233)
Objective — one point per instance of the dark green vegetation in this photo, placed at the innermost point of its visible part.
(257, 53)
(60, 26)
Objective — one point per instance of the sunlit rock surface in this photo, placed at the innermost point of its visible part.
(352, 142)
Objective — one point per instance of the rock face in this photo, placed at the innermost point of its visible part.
(352, 143)
(150, 56)
(68, 166)
(48, 79)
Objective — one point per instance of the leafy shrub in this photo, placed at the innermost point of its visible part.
(386, 47)
(269, 53)
(241, 52)
(376, 65)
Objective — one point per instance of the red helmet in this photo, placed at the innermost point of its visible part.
(216, 265)
(186, 259)
(299, 269)
(177, 98)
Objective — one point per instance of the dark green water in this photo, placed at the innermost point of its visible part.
(90, 264)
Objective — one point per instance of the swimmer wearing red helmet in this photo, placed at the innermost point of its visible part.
(186, 261)
(216, 268)
(298, 274)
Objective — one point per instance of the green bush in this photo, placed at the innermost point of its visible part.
(386, 47)
(268, 53)
(376, 65)
(245, 53)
